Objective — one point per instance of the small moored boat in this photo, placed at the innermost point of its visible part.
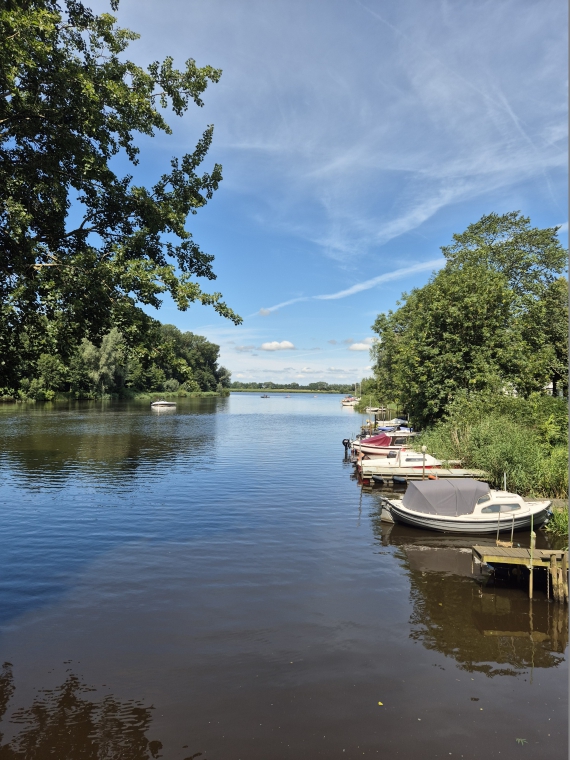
(163, 403)
(465, 506)
(383, 443)
(405, 459)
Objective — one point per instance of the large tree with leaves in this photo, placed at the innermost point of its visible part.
(79, 243)
(494, 319)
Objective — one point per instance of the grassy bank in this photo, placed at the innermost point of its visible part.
(178, 394)
(525, 438)
(126, 395)
(558, 523)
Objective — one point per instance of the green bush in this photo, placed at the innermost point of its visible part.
(558, 523)
(524, 438)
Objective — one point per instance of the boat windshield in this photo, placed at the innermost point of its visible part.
(483, 499)
(500, 508)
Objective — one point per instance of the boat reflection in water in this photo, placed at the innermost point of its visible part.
(484, 627)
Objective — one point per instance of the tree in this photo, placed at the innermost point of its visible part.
(530, 258)
(452, 334)
(494, 319)
(80, 244)
(546, 330)
(107, 364)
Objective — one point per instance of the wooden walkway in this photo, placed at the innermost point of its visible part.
(554, 561)
(414, 473)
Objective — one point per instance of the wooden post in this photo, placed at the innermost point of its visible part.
(532, 544)
(552, 571)
(564, 573)
(530, 581)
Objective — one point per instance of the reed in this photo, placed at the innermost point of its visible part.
(558, 523)
(526, 439)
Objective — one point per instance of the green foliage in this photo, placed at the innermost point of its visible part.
(529, 258)
(166, 360)
(321, 387)
(558, 523)
(493, 320)
(81, 244)
(526, 438)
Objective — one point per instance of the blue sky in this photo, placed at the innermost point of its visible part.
(355, 138)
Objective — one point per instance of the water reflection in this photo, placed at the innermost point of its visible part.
(486, 628)
(49, 448)
(64, 723)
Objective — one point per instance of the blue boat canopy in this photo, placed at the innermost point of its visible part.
(446, 496)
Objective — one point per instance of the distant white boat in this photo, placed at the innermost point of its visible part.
(163, 403)
(350, 401)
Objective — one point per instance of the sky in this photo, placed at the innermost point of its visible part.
(355, 139)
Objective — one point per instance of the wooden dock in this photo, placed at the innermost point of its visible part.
(367, 470)
(554, 561)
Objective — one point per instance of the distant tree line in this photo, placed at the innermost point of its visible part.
(320, 386)
(160, 358)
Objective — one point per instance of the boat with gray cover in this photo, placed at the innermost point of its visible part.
(465, 506)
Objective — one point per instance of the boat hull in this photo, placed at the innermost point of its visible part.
(466, 525)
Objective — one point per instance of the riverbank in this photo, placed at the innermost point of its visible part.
(126, 395)
(312, 392)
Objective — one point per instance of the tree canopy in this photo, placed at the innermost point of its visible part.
(81, 244)
(164, 359)
(493, 319)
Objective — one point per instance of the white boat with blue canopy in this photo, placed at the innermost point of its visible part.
(465, 506)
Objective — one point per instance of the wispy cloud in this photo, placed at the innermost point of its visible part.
(398, 274)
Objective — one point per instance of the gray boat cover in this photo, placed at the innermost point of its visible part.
(444, 496)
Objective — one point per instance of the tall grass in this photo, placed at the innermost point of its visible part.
(526, 439)
(558, 523)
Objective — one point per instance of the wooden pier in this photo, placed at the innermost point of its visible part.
(554, 561)
(368, 468)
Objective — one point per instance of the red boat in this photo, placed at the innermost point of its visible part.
(379, 445)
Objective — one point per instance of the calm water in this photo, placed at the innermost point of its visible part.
(212, 580)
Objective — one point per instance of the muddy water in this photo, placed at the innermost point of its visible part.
(211, 580)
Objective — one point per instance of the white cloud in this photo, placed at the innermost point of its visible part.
(359, 347)
(275, 345)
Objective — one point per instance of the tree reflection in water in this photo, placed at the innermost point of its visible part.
(493, 630)
(63, 723)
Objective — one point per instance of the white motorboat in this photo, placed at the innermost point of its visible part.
(465, 506)
(396, 460)
(350, 401)
(162, 404)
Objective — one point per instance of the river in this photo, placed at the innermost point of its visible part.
(210, 582)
